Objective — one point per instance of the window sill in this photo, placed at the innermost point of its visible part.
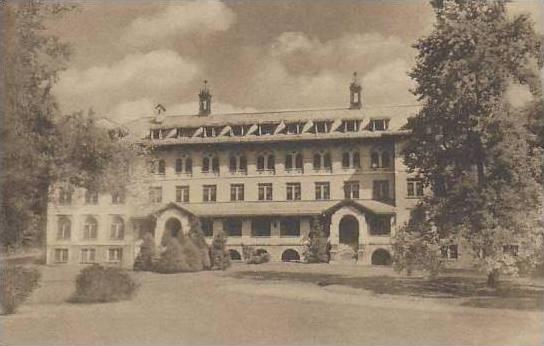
(266, 171)
(414, 197)
(184, 174)
(290, 236)
(238, 172)
(294, 171)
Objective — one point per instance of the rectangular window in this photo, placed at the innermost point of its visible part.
(379, 225)
(91, 197)
(293, 192)
(450, 251)
(237, 192)
(351, 125)
(115, 255)
(182, 194)
(118, 197)
(261, 227)
(155, 194)
(209, 193)
(88, 255)
(265, 191)
(322, 190)
(290, 227)
(65, 196)
(378, 124)
(351, 189)
(414, 187)
(233, 227)
(380, 190)
(207, 227)
(61, 255)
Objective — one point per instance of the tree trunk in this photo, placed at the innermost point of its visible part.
(493, 279)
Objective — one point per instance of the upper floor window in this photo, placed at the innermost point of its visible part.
(294, 161)
(184, 165)
(350, 125)
(322, 190)
(209, 193)
(90, 228)
(117, 230)
(378, 124)
(265, 162)
(260, 227)
(290, 227)
(91, 197)
(65, 196)
(380, 158)
(237, 192)
(265, 191)
(322, 161)
(293, 191)
(450, 251)
(64, 228)
(161, 167)
(380, 190)
(379, 225)
(155, 194)
(351, 189)
(294, 128)
(118, 197)
(351, 159)
(210, 163)
(237, 163)
(233, 227)
(414, 187)
(182, 194)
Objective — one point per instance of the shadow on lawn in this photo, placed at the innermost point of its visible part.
(510, 295)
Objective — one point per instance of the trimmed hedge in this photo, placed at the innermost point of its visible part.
(16, 285)
(98, 284)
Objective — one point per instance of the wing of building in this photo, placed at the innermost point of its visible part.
(260, 177)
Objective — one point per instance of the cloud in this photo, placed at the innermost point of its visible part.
(179, 20)
(135, 76)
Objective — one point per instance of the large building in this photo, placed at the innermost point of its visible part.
(260, 177)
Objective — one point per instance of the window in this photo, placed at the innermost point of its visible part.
(233, 227)
(378, 124)
(64, 228)
(294, 128)
(209, 131)
(351, 159)
(237, 163)
(237, 192)
(179, 165)
(184, 165)
(351, 189)
(260, 227)
(322, 161)
(162, 167)
(155, 134)
(88, 255)
(380, 190)
(380, 158)
(210, 162)
(207, 227)
(117, 231)
(61, 255)
(450, 251)
(209, 193)
(265, 162)
(414, 187)
(379, 225)
(294, 161)
(118, 197)
(91, 197)
(115, 254)
(265, 191)
(293, 191)
(182, 194)
(155, 194)
(511, 250)
(322, 190)
(90, 228)
(350, 125)
(290, 227)
(321, 126)
(65, 196)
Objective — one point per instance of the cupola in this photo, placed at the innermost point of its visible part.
(205, 100)
(355, 93)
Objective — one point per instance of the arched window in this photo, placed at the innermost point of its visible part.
(374, 160)
(162, 167)
(356, 160)
(179, 165)
(90, 228)
(270, 164)
(380, 158)
(386, 162)
(117, 228)
(317, 161)
(351, 159)
(215, 164)
(206, 164)
(260, 163)
(91, 197)
(327, 162)
(299, 161)
(237, 163)
(322, 160)
(345, 160)
(188, 165)
(65, 228)
(233, 164)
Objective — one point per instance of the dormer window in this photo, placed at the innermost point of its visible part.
(185, 132)
(350, 125)
(294, 128)
(378, 124)
(209, 131)
(155, 134)
(321, 126)
(266, 129)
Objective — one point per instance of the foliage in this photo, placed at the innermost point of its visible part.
(144, 260)
(197, 236)
(16, 285)
(180, 255)
(469, 146)
(316, 249)
(254, 256)
(219, 254)
(98, 284)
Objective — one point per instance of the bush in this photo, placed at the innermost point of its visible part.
(219, 254)
(98, 284)
(144, 260)
(252, 256)
(197, 236)
(316, 249)
(180, 255)
(17, 283)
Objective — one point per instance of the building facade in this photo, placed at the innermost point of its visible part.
(260, 177)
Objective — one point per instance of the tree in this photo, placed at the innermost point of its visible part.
(219, 254)
(317, 248)
(468, 145)
(41, 147)
(144, 260)
(197, 236)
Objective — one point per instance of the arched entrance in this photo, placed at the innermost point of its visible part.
(173, 227)
(290, 255)
(349, 232)
(235, 255)
(381, 257)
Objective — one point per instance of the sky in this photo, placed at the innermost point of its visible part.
(257, 55)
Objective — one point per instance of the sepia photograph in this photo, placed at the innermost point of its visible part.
(272, 172)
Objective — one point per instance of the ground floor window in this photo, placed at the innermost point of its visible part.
(379, 225)
(290, 227)
(450, 251)
(115, 255)
(207, 227)
(88, 255)
(260, 227)
(233, 227)
(290, 255)
(61, 255)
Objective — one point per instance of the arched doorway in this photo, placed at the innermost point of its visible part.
(235, 255)
(349, 232)
(290, 255)
(381, 257)
(173, 227)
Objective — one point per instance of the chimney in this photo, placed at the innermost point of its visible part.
(159, 113)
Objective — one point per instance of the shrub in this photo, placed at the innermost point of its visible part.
(316, 249)
(197, 236)
(191, 253)
(98, 284)
(180, 255)
(219, 254)
(144, 260)
(252, 256)
(17, 283)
